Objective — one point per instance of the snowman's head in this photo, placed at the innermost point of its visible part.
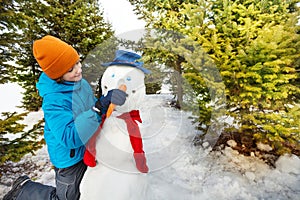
(125, 70)
(133, 78)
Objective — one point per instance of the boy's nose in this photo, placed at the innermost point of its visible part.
(79, 69)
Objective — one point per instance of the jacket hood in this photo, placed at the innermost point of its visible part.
(47, 85)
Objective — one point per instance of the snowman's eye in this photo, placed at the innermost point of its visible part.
(113, 75)
(128, 78)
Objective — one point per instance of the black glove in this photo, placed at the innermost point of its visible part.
(114, 96)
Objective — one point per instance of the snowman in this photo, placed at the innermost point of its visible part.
(120, 172)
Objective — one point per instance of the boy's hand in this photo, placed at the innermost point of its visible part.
(115, 96)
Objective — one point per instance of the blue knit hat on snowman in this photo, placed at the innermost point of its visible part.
(128, 59)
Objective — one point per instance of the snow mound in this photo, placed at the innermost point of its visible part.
(289, 164)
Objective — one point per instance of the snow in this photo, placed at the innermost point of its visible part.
(11, 96)
(195, 173)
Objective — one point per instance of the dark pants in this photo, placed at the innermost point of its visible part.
(67, 185)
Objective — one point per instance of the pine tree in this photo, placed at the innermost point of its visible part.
(257, 52)
(79, 23)
(9, 36)
(195, 80)
(15, 142)
(255, 46)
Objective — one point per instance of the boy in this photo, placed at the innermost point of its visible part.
(71, 114)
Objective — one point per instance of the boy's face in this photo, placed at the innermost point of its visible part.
(74, 74)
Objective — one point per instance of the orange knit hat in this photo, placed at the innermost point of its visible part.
(54, 56)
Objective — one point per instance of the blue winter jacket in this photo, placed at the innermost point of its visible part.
(69, 119)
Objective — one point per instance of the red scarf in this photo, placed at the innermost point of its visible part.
(130, 119)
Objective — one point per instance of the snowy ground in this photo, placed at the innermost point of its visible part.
(193, 173)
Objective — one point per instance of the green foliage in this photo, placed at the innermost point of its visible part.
(194, 85)
(154, 80)
(257, 53)
(255, 46)
(280, 130)
(9, 37)
(15, 141)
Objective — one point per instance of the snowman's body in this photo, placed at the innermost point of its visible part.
(115, 177)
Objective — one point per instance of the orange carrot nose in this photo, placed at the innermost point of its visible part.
(123, 87)
(112, 106)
